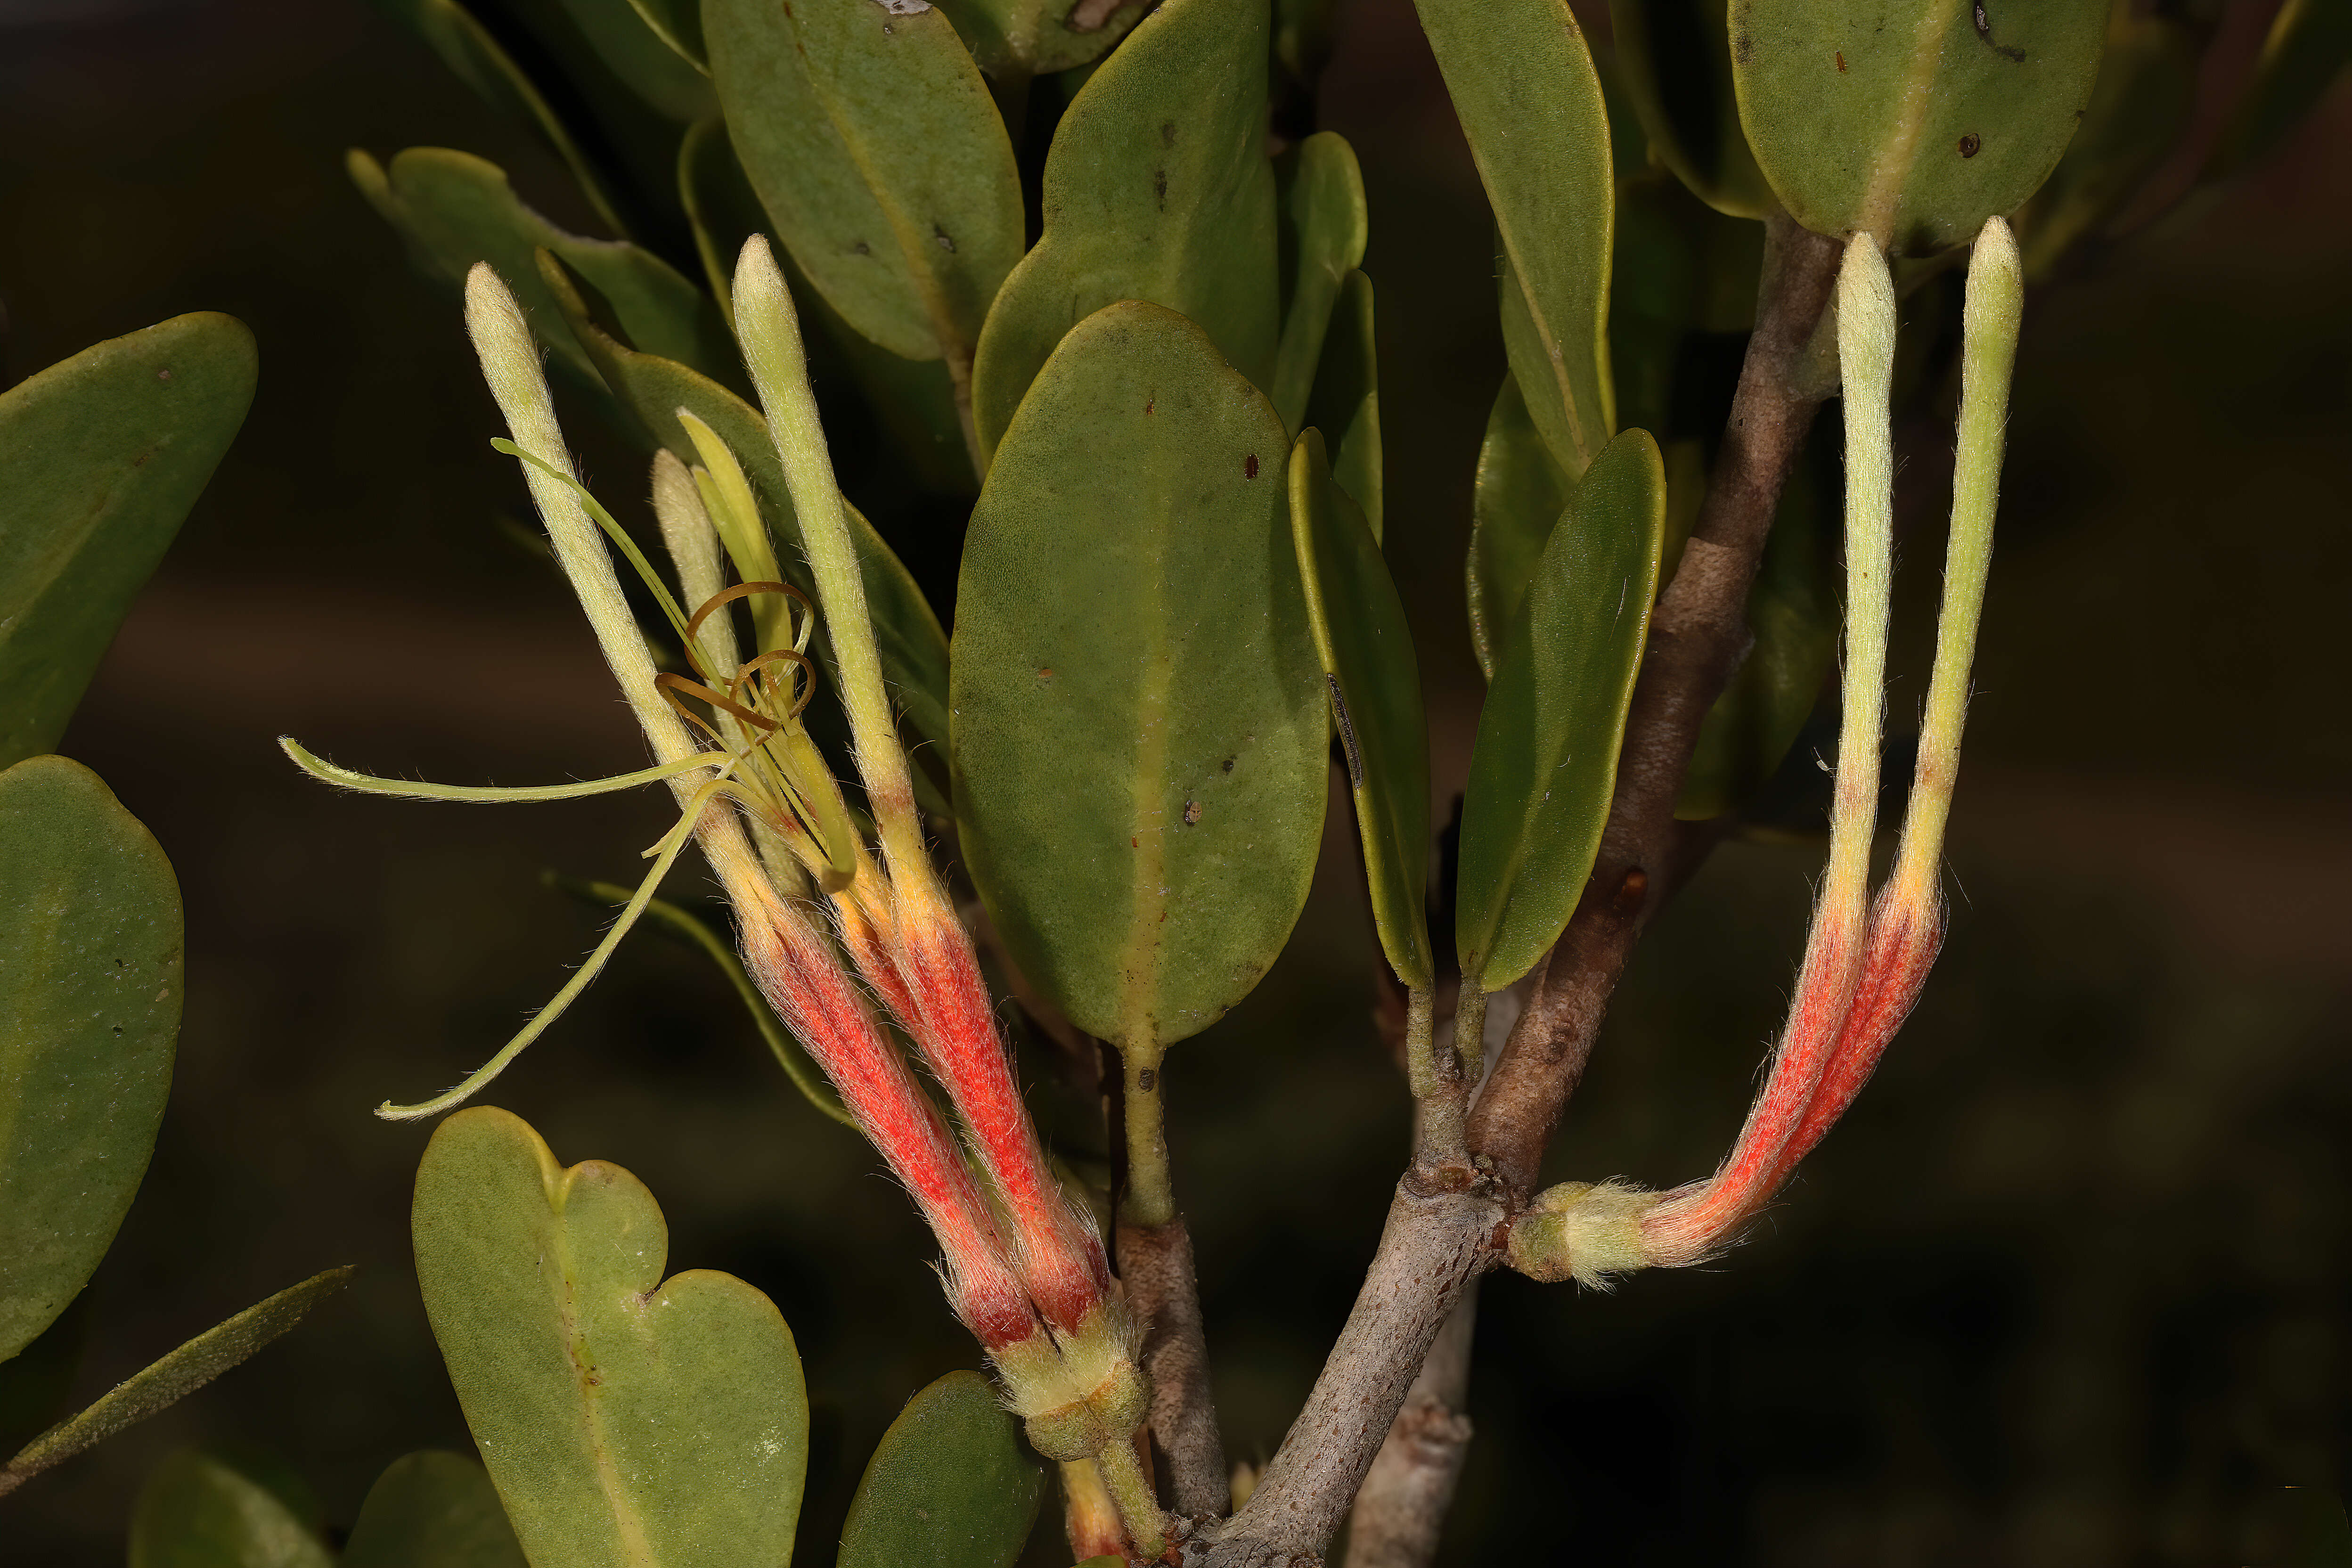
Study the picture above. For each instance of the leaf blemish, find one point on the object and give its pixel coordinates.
(1840, 62)
(1971, 144)
(1249, 466)
(1192, 815)
(941, 235)
(1159, 188)
(1168, 133)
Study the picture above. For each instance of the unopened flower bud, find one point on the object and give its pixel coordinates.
(1584, 1231)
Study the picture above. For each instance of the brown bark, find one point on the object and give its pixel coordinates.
(1155, 1265)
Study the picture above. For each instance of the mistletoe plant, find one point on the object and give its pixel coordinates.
(1152, 394)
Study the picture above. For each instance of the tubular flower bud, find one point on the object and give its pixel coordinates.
(1860, 979)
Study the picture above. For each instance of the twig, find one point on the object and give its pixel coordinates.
(1155, 1264)
(1401, 1509)
(1435, 1240)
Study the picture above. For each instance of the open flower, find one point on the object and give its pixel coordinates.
(827, 923)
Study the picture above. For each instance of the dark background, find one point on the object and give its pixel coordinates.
(2068, 1287)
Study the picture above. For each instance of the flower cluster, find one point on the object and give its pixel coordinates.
(829, 926)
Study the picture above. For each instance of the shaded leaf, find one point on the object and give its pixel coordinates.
(1545, 763)
(1139, 724)
(949, 1486)
(455, 209)
(1904, 117)
(102, 456)
(2139, 109)
(173, 1378)
(873, 145)
(1016, 38)
(634, 48)
(1539, 131)
(1346, 402)
(1157, 188)
(196, 1511)
(1323, 230)
(1366, 650)
(467, 48)
(90, 1012)
(1674, 58)
(624, 1418)
(432, 1509)
(1517, 498)
(2308, 46)
(679, 24)
(914, 649)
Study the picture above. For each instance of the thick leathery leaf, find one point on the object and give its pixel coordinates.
(1012, 39)
(432, 1509)
(1157, 188)
(624, 1418)
(628, 40)
(2139, 111)
(196, 1511)
(872, 142)
(476, 58)
(455, 209)
(915, 398)
(1517, 496)
(1915, 119)
(101, 458)
(1545, 763)
(949, 1486)
(1674, 58)
(1366, 650)
(1523, 84)
(90, 1012)
(1792, 616)
(2308, 46)
(173, 1378)
(914, 649)
(1346, 402)
(1138, 721)
(1323, 231)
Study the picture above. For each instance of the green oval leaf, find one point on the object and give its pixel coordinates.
(913, 647)
(1523, 84)
(432, 1509)
(1517, 498)
(1366, 649)
(1346, 402)
(476, 58)
(950, 1485)
(624, 1418)
(167, 1381)
(1674, 58)
(196, 1512)
(1907, 118)
(1138, 719)
(89, 1012)
(455, 209)
(1323, 231)
(1157, 188)
(1792, 617)
(2139, 109)
(1545, 763)
(101, 458)
(1014, 39)
(872, 142)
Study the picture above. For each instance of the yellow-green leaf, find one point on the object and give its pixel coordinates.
(1157, 188)
(1323, 232)
(196, 1512)
(1545, 763)
(950, 1485)
(432, 1509)
(1345, 404)
(624, 1418)
(1366, 650)
(1139, 721)
(1673, 57)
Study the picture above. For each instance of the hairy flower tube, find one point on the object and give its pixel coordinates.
(1866, 959)
(1024, 1268)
